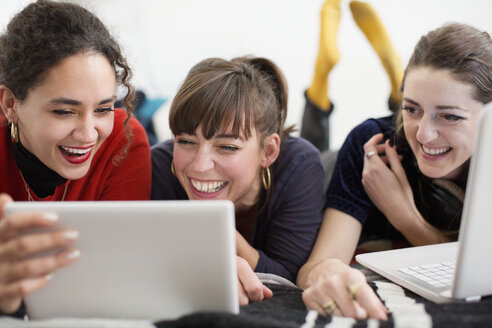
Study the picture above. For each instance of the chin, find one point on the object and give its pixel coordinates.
(434, 173)
(74, 174)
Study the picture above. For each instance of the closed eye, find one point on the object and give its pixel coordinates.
(452, 117)
(104, 110)
(230, 148)
(411, 110)
(62, 112)
(184, 141)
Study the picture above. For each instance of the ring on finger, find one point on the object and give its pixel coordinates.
(369, 154)
(354, 288)
(329, 307)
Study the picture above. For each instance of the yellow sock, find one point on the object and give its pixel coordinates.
(369, 22)
(328, 54)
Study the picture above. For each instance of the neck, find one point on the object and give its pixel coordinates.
(41, 179)
(250, 199)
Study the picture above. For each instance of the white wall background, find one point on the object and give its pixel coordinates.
(164, 39)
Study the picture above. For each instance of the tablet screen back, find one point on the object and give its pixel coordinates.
(141, 260)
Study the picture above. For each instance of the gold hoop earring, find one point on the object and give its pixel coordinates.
(173, 170)
(268, 181)
(14, 132)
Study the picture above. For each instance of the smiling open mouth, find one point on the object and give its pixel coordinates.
(437, 151)
(74, 155)
(74, 151)
(208, 187)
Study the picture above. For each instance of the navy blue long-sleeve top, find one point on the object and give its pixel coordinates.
(440, 207)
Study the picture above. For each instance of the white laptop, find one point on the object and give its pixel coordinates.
(150, 260)
(452, 271)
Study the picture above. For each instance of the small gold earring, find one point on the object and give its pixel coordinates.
(173, 171)
(268, 181)
(14, 132)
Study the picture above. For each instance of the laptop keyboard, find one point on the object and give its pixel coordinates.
(438, 274)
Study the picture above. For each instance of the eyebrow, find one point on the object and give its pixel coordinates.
(411, 101)
(441, 107)
(450, 107)
(73, 102)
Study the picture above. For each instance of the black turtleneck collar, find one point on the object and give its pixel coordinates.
(41, 179)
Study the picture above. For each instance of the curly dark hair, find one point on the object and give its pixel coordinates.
(46, 32)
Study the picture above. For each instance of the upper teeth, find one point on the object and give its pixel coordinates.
(435, 151)
(76, 151)
(208, 186)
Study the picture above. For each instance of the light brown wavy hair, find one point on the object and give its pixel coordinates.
(461, 49)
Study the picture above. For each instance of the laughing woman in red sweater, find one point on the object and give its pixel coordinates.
(60, 136)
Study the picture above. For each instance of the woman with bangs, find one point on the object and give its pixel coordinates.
(231, 143)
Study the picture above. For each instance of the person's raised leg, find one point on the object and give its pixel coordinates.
(373, 28)
(315, 125)
(328, 54)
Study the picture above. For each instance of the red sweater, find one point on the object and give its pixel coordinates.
(130, 179)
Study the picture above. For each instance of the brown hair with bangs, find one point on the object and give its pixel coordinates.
(248, 92)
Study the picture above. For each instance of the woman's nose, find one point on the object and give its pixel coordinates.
(427, 129)
(86, 130)
(203, 161)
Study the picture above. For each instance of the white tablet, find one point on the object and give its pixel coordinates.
(150, 260)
